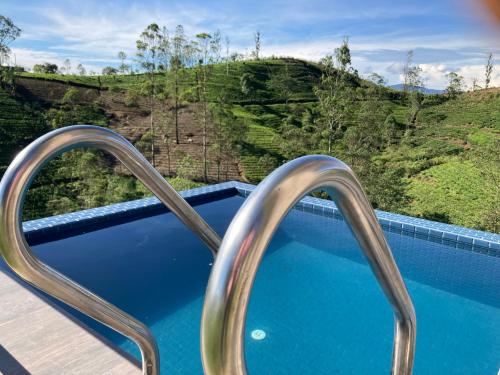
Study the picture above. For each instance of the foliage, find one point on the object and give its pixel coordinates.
(335, 95)
(109, 71)
(8, 33)
(45, 68)
(455, 85)
(408, 149)
(488, 70)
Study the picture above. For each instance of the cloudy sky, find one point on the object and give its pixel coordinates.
(445, 35)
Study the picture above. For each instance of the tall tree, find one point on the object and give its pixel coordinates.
(148, 55)
(209, 51)
(377, 79)
(180, 51)
(123, 68)
(256, 51)
(203, 71)
(455, 84)
(81, 70)
(334, 94)
(282, 81)
(67, 66)
(413, 84)
(226, 39)
(8, 33)
(488, 70)
(475, 86)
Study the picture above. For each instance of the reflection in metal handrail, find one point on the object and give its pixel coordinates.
(19, 257)
(243, 246)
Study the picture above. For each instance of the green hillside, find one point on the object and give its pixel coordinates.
(306, 75)
(443, 167)
(20, 123)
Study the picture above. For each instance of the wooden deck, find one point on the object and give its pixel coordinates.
(37, 338)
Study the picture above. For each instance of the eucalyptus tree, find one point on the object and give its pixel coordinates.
(256, 51)
(81, 70)
(8, 33)
(149, 51)
(413, 84)
(123, 68)
(334, 94)
(67, 66)
(228, 57)
(208, 48)
(282, 81)
(377, 79)
(455, 84)
(488, 70)
(179, 56)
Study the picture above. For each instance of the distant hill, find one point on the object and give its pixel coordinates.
(425, 90)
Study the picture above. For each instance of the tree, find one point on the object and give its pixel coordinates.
(67, 66)
(109, 71)
(148, 55)
(8, 33)
(412, 86)
(207, 49)
(389, 130)
(256, 51)
(475, 85)
(343, 55)
(179, 56)
(229, 135)
(455, 84)
(227, 55)
(247, 83)
(81, 70)
(377, 79)
(283, 82)
(488, 70)
(334, 95)
(45, 68)
(412, 75)
(296, 135)
(123, 68)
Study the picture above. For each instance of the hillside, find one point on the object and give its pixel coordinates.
(439, 162)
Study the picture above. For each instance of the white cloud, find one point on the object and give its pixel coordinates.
(27, 58)
(93, 33)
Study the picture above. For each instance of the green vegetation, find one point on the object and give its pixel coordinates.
(20, 123)
(433, 156)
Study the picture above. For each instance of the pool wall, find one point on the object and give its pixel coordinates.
(43, 230)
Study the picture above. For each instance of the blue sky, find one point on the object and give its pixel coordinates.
(446, 35)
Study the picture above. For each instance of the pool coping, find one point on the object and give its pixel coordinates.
(484, 242)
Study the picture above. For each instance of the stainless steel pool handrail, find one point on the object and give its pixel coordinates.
(249, 234)
(20, 258)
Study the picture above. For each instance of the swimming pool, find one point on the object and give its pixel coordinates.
(315, 298)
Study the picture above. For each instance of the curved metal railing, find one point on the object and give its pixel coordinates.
(21, 259)
(243, 246)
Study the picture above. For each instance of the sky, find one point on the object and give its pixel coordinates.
(445, 35)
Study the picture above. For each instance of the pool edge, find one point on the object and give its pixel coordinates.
(465, 238)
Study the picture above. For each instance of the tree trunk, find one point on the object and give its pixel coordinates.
(152, 128)
(176, 108)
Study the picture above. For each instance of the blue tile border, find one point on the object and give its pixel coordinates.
(466, 238)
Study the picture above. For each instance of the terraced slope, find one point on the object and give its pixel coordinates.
(20, 123)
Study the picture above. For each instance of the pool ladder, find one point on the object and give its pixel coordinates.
(238, 254)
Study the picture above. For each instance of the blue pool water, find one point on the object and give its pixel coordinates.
(314, 296)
